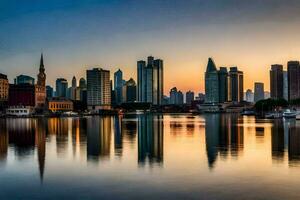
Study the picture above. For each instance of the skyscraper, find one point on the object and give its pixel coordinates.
(293, 79)
(49, 91)
(61, 87)
(98, 89)
(276, 81)
(249, 96)
(258, 91)
(176, 96)
(211, 83)
(223, 84)
(189, 97)
(24, 79)
(129, 91)
(150, 81)
(118, 84)
(285, 86)
(235, 85)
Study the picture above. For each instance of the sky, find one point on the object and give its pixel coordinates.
(78, 35)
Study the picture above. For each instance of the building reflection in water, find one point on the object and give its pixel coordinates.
(40, 143)
(277, 137)
(293, 142)
(223, 137)
(118, 135)
(98, 137)
(79, 129)
(150, 139)
(3, 141)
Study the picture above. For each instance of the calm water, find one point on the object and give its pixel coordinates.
(150, 157)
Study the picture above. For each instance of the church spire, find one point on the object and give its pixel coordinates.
(42, 67)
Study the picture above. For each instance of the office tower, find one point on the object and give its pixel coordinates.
(49, 91)
(211, 83)
(74, 82)
(258, 91)
(189, 97)
(249, 96)
(293, 79)
(72, 90)
(223, 84)
(61, 87)
(176, 97)
(276, 81)
(24, 79)
(98, 89)
(4, 86)
(129, 91)
(40, 87)
(235, 85)
(118, 84)
(82, 83)
(150, 81)
(285, 86)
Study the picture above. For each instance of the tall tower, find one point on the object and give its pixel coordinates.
(211, 82)
(41, 76)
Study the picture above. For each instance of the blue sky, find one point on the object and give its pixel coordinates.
(76, 35)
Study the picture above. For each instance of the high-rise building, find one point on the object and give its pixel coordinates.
(223, 84)
(285, 85)
(49, 91)
(61, 87)
(258, 91)
(249, 96)
(74, 82)
(4, 86)
(118, 85)
(150, 81)
(276, 81)
(24, 79)
(235, 85)
(98, 89)
(189, 97)
(176, 96)
(72, 90)
(129, 91)
(211, 82)
(293, 79)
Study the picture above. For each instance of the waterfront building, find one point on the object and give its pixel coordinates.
(4, 87)
(285, 86)
(21, 79)
(58, 104)
(19, 111)
(249, 96)
(258, 91)
(176, 96)
(129, 91)
(189, 97)
(235, 85)
(61, 87)
(49, 91)
(223, 84)
(21, 95)
(276, 81)
(211, 82)
(150, 81)
(293, 80)
(98, 89)
(118, 85)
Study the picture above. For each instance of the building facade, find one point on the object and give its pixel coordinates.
(118, 85)
(129, 91)
(57, 104)
(249, 96)
(259, 93)
(211, 83)
(235, 85)
(24, 79)
(61, 87)
(4, 87)
(189, 97)
(276, 81)
(293, 79)
(285, 86)
(98, 89)
(223, 84)
(49, 91)
(150, 81)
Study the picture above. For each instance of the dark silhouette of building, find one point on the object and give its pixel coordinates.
(49, 91)
(61, 87)
(211, 82)
(235, 85)
(223, 84)
(21, 95)
(259, 93)
(276, 81)
(293, 79)
(129, 91)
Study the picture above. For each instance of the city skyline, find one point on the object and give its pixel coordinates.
(252, 36)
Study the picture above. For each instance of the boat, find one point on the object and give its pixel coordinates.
(289, 114)
(274, 115)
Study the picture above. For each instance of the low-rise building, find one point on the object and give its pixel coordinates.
(59, 105)
(19, 111)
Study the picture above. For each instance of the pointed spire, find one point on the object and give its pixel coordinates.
(42, 62)
(211, 65)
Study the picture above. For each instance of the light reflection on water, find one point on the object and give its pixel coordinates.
(215, 156)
